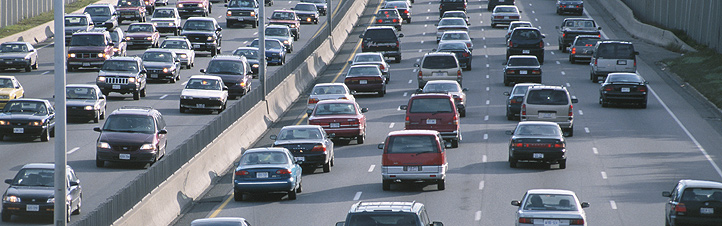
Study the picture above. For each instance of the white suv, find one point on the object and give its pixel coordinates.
(551, 104)
(438, 66)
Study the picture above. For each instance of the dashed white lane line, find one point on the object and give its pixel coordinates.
(73, 150)
(244, 42)
(164, 96)
(410, 81)
(427, 19)
(423, 33)
(428, 10)
(426, 25)
(569, 85)
(552, 52)
(533, 11)
(564, 73)
(604, 175)
(595, 151)
(417, 60)
(586, 129)
(357, 196)
(486, 136)
(219, 17)
(486, 118)
(558, 62)
(406, 93)
(482, 29)
(487, 65)
(484, 46)
(371, 168)
(487, 88)
(581, 112)
(255, 33)
(45, 73)
(483, 38)
(391, 125)
(477, 216)
(487, 76)
(486, 56)
(549, 44)
(487, 102)
(419, 50)
(483, 158)
(422, 41)
(481, 185)
(613, 204)
(289, 2)
(529, 4)
(535, 19)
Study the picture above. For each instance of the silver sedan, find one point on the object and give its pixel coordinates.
(504, 14)
(374, 58)
(328, 91)
(550, 207)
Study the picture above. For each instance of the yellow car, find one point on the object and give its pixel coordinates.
(10, 88)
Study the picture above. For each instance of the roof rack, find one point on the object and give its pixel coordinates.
(137, 108)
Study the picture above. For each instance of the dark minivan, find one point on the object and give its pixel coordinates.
(382, 39)
(433, 111)
(132, 135)
(526, 41)
(451, 5)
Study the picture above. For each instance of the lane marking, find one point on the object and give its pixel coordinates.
(487, 102)
(164, 96)
(487, 88)
(487, 65)
(410, 81)
(419, 50)
(586, 129)
(357, 196)
(483, 158)
(482, 29)
(558, 62)
(255, 33)
(486, 56)
(45, 73)
(73, 150)
(417, 60)
(481, 185)
(483, 38)
(569, 85)
(535, 19)
(595, 151)
(220, 208)
(604, 175)
(428, 10)
(184, 83)
(486, 118)
(345, 65)
(552, 52)
(487, 76)
(531, 11)
(391, 125)
(477, 216)
(422, 41)
(244, 42)
(486, 136)
(564, 73)
(406, 93)
(303, 116)
(581, 112)
(423, 33)
(484, 46)
(426, 25)
(371, 168)
(613, 204)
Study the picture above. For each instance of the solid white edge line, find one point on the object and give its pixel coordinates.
(164, 96)
(73, 150)
(613, 204)
(357, 196)
(371, 168)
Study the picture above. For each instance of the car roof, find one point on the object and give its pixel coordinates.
(380, 27)
(104, 5)
(205, 77)
(442, 81)
(368, 53)
(329, 84)
(166, 7)
(92, 32)
(302, 127)
(15, 42)
(578, 18)
(537, 123)
(81, 85)
(125, 58)
(520, 22)
(522, 56)
(528, 84)
(201, 18)
(453, 18)
(386, 206)
(551, 191)
(615, 41)
(414, 132)
(526, 28)
(455, 11)
(276, 26)
(159, 50)
(429, 95)
(133, 110)
(364, 65)
(456, 31)
(588, 36)
(275, 149)
(175, 38)
(284, 10)
(439, 53)
(548, 87)
(141, 23)
(227, 57)
(701, 183)
(305, 3)
(8, 76)
(217, 220)
(77, 14)
(40, 166)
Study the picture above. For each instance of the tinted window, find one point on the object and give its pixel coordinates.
(130, 124)
(505, 10)
(439, 62)
(174, 44)
(515, 25)
(26, 107)
(7, 48)
(380, 34)
(242, 3)
(204, 84)
(615, 51)
(387, 13)
(586, 41)
(448, 1)
(276, 32)
(455, 36)
(538, 130)
(123, 3)
(305, 7)
(522, 61)
(120, 65)
(163, 13)
(293, 134)
(97, 11)
(76, 21)
(579, 23)
(270, 44)
(6, 83)
(452, 21)
(335, 109)
(363, 71)
(34, 177)
(547, 96)
(454, 14)
(368, 58)
(199, 25)
(114, 36)
(248, 53)
(283, 16)
(87, 40)
(264, 158)
(550, 202)
(321, 90)
(701, 195)
(528, 34)
(411, 144)
(431, 105)
(225, 67)
(624, 78)
(452, 46)
(157, 57)
(140, 28)
(519, 90)
(441, 87)
(80, 93)
(396, 5)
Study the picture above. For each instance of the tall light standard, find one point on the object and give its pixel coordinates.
(262, 47)
(61, 211)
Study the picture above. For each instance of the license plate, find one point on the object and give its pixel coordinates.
(523, 72)
(240, 19)
(706, 210)
(130, 43)
(431, 121)
(625, 90)
(116, 86)
(18, 130)
(127, 16)
(196, 46)
(86, 64)
(8, 62)
(539, 156)
(526, 51)
(413, 168)
(335, 125)
(551, 222)
(438, 74)
(300, 158)
(200, 105)
(622, 62)
(262, 175)
(547, 115)
(32, 208)
(362, 82)
(154, 75)
(124, 156)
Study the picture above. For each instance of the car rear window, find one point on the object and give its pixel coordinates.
(231, 67)
(528, 34)
(363, 71)
(383, 219)
(293, 134)
(615, 51)
(522, 61)
(586, 41)
(537, 130)
(431, 105)
(412, 144)
(624, 78)
(335, 109)
(452, 1)
(333, 89)
(550, 202)
(547, 97)
(520, 90)
(380, 34)
(439, 62)
(701, 195)
(387, 13)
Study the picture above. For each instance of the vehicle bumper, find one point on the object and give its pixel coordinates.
(344, 132)
(27, 131)
(80, 113)
(191, 11)
(453, 135)
(201, 104)
(168, 29)
(130, 17)
(366, 88)
(571, 9)
(236, 90)
(528, 155)
(625, 98)
(274, 60)
(308, 19)
(503, 21)
(86, 62)
(513, 109)
(45, 209)
(118, 88)
(135, 156)
(263, 186)
(581, 56)
(425, 79)
(159, 75)
(519, 51)
(241, 19)
(563, 124)
(427, 174)
(523, 78)
(142, 42)
(14, 64)
(204, 46)
(685, 220)
(313, 159)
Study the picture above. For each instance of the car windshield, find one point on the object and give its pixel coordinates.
(441, 87)
(367, 58)
(174, 44)
(125, 3)
(270, 44)
(500, 9)
(97, 11)
(431, 105)
(537, 130)
(452, 21)
(6, 83)
(83, 93)
(387, 13)
(120, 65)
(527, 34)
(204, 84)
(454, 15)
(87, 40)
(363, 71)
(114, 37)
(547, 96)
(231, 67)
(550, 202)
(701, 195)
(296, 134)
(140, 28)
(272, 31)
(412, 144)
(248, 53)
(335, 109)
(522, 61)
(76, 21)
(520, 90)
(35, 177)
(157, 57)
(586, 41)
(13, 48)
(26, 107)
(332, 89)
(450, 46)
(455, 36)
(615, 51)
(255, 158)
(439, 62)
(457, 1)
(129, 124)
(199, 25)
(242, 3)
(579, 23)
(163, 13)
(283, 16)
(305, 7)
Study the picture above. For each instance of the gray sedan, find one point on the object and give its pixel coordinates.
(504, 15)
(553, 207)
(309, 144)
(19, 55)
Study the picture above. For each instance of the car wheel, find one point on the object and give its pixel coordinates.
(102, 115)
(605, 103)
(572, 60)
(35, 66)
(6, 216)
(397, 59)
(332, 160)
(455, 143)
(292, 194)
(142, 92)
(441, 185)
(45, 136)
(96, 119)
(183, 110)
(80, 204)
(570, 132)
(512, 162)
(462, 113)
(595, 78)
(507, 82)
(468, 66)
(560, 47)
(493, 25)
(386, 185)
(382, 93)
(136, 95)
(300, 187)
(172, 80)
(327, 167)
(361, 139)
(509, 116)
(99, 163)
(237, 196)
(563, 164)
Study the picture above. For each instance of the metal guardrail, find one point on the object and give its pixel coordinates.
(118, 204)
(13, 11)
(700, 19)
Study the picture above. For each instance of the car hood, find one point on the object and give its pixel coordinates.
(116, 73)
(279, 38)
(6, 91)
(80, 102)
(153, 64)
(127, 138)
(21, 116)
(31, 191)
(98, 19)
(179, 51)
(207, 33)
(139, 34)
(550, 214)
(202, 93)
(283, 21)
(296, 141)
(86, 49)
(13, 55)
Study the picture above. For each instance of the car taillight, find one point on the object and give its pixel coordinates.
(468, 45)
(407, 120)
(456, 120)
(465, 54)
(635, 62)
(525, 220)
(588, 45)
(381, 67)
(420, 75)
(536, 72)
(312, 100)
(574, 50)
(680, 208)
(608, 88)
(241, 173)
(514, 17)
(514, 101)
(559, 145)
(511, 44)
(380, 20)
(523, 109)
(406, 11)
(571, 111)
(564, 35)
(319, 147)
(283, 171)
(642, 89)
(395, 20)
(510, 72)
(397, 46)
(576, 222)
(498, 17)
(541, 44)
(517, 145)
(599, 35)
(457, 98)
(352, 122)
(458, 73)
(595, 62)
(347, 80)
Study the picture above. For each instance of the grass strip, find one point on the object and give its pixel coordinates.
(45, 17)
(702, 70)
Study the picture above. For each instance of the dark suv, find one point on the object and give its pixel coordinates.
(103, 14)
(235, 72)
(89, 49)
(381, 213)
(493, 3)
(123, 75)
(204, 33)
(382, 39)
(526, 41)
(131, 10)
(131, 134)
(573, 27)
(451, 5)
(694, 202)
(242, 12)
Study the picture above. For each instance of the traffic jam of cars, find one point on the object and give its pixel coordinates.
(173, 38)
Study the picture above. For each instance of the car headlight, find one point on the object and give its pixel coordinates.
(292, 26)
(103, 145)
(210, 38)
(89, 108)
(200, 4)
(229, 13)
(253, 13)
(183, 56)
(147, 147)
(165, 70)
(131, 80)
(308, 19)
(186, 97)
(149, 38)
(71, 55)
(101, 79)
(3, 122)
(101, 55)
(35, 123)
(171, 24)
(155, 24)
(255, 65)
(127, 38)
(11, 198)
(180, 5)
(285, 41)
(51, 200)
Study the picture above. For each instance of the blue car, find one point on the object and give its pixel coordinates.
(275, 51)
(267, 170)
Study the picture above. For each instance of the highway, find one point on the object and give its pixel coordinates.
(620, 159)
(100, 183)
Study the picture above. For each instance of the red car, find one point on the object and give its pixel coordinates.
(434, 111)
(288, 18)
(187, 8)
(342, 118)
(142, 34)
(131, 10)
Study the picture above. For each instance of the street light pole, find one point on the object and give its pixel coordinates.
(329, 13)
(60, 185)
(262, 47)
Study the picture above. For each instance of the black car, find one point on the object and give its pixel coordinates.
(31, 192)
(234, 71)
(28, 118)
(204, 34)
(162, 64)
(451, 5)
(382, 39)
(123, 75)
(309, 144)
(526, 41)
(307, 12)
(251, 54)
(573, 27)
(320, 4)
(493, 3)
(624, 87)
(275, 51)
(694, 202)
(516, 98)
(85, 102)
(131, 135)
(463, 54)
(537, 141)
(570, 6)
(520, 68)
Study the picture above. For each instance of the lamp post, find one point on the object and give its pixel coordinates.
(60, 185)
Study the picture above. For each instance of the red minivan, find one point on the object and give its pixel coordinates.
(414, 156)
(434, 111)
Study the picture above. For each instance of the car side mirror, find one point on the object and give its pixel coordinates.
(575, 100)
(163, 131)
(464, 89)
(585, 204)
(471, 38)
(544, 36)
(10, 181)
(219, 29)
(419, 90)
(143, 71)
(350, 62)
(520, 11)
(436, 24)
(381, 146)
(299, 162)
(507, 93)
(177, 60)
(666, 194)
(292, 9)
(433, 50)
(225, 5)
(404, 107)
(645, 82)
(74, 183)
(111, 44)
(340, 223)
(309, 111)
(225, 88)
(353, 92)
(332, 135)
(203, 70)
(273, 137)
(416, 64)
(436, 223)
(361, 36)
(515, 203)
(97, 129)
(509, 132)
(401, 35)
(102, 97)
(364, 110)
(236, 164)
(636, 53)
(599, 28)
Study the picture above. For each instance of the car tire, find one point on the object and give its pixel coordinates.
(441, 184)
(507, 82)
(560, 47)
(382, 93)
(99, 163)
(96, 119)
(468, 66)
(361, 139)
(300, 187)
(80, 204)
(605, 103)
(172, 80)
(570, 132)
(509, 117)
(254, 25)
(493, 25)
(292, 194)
(563, 164)
(327, 167)
(512, 162)
(386, 185)
(183, 110)
(332, 161)
(142, 92)
(595, 78)
(102, 115)
(35, 66)
(6, 216)
(455, 143)
(45, 135)
(462, 113)
(397, 59)
(136, 95)
(572, 60)
(237, 196)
